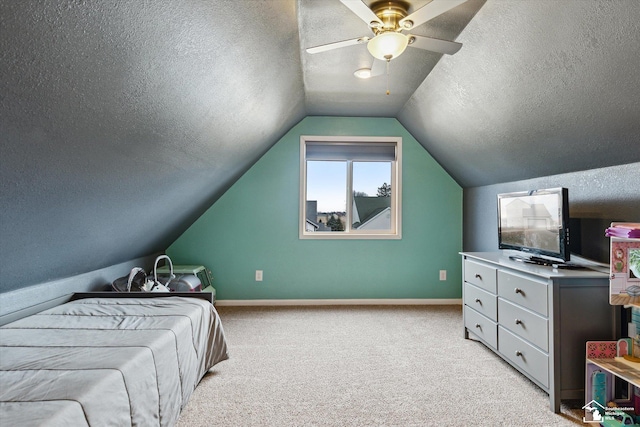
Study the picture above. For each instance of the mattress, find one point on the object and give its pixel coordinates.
(107, 361)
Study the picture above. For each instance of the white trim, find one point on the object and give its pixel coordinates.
(324, 302)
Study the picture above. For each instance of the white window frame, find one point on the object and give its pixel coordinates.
(396, 190)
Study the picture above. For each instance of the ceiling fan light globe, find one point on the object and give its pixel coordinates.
(387, 46)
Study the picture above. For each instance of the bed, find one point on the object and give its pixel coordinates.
(131, 361)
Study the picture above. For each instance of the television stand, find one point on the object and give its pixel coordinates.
(547, 262)
(531, 260)
(537, 318)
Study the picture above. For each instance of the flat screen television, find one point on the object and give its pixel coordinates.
(535, 223)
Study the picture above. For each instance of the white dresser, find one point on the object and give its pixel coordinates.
(537, 318)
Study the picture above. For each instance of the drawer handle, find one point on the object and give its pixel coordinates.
(478, 301)
(478, 276)
(518, 322)
(518, 353)
(478, 326)
(518, 291)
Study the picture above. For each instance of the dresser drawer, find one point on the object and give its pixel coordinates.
(480, 275)
(523, 291)
(524, 323)
(524, 355)
(481, 326)
(481, 301)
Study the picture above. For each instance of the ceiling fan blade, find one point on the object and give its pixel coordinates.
(428, 12)
(337, 45)
(362, 10)
(435, 45)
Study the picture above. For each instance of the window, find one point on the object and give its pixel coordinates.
(350, 187)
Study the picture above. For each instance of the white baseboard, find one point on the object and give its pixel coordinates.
(320, 302)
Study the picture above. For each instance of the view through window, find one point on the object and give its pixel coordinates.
(350, 187)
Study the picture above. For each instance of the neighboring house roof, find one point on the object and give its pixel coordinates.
(377, 220)
(367, 208)
(317, 226)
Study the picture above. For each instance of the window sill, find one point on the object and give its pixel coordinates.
(349, 236)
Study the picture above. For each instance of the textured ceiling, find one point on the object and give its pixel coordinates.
(122, 121)
(539, 88)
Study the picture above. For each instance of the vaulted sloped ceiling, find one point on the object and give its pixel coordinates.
(122, 121)
(539, 88)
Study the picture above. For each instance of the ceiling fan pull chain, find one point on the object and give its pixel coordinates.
(388, 61)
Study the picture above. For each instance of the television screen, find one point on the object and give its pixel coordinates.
(535, 222)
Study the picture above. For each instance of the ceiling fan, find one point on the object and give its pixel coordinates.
(388, 19)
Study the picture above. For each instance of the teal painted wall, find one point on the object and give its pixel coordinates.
(254, 226)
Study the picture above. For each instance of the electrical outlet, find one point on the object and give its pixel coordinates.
(258, 275)
(443, 274)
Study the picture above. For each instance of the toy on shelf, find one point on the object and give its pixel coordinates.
(612, 385)
(632, 355)
(630, 358)
(627, 230)
(624, 282)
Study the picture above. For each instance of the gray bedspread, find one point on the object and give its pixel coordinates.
(107, 361)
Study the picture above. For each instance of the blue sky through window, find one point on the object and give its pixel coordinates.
(327, 181)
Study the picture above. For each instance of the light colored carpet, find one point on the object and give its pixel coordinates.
(363, 366)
